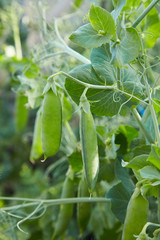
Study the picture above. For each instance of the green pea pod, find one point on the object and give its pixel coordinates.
(51, 124)
(89, 148)
(36, 150)
(66, 210)
(136, 215)
(83, 209)
(21, 112)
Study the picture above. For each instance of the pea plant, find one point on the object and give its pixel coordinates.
(98, 103)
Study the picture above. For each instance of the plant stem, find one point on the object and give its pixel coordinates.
(149, 70)
(16, 207)
(138, 119)
(77, 55)
(56, 201)
(54, 165)
(68, 49)
(16, 33)
(154, 117)
(28, 217)
(146, 11)
(113, 87)
(118, 77)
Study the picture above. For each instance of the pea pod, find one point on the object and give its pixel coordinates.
(89, 148)
(83, 209)
(21, 112)
(136, 215)
(36, 150)
(51, 124)
(66, 210)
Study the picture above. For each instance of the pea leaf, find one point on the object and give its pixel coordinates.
(100, 60)
(102, 21)
(129, 132)
(150, 172)
(122, 174)
(142, 149)
(128, 48)
(118, 5)
(131, 5)
(154, 156)
(75, 160)
(119, 198)
(104, 102)
(150, 27)
(151, 189)
(85, 36)
(137, 162)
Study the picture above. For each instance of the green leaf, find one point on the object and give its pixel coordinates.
(100, 60)
(101, 218)
(33, 71)
(75, 160)
(149, 126)
(34, 90)
(156, 104)
(149, 190)
(129, 132)
(128, 48)
(102, 21)
(118, 5)
(154, 156)
(142, 149)
(132, 82)
(85, 36)
(104, 102)
(131, 5)
(122, 174)
(150, 27)
(137, 162)
(150, 172)
(78, 3)
(119, 198)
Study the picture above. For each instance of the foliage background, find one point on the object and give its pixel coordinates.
(18, 176)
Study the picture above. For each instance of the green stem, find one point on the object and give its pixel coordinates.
(138, 119)
(96, 86)
(118, 77)
(154, 117)
(28, 217)
(54, 165)
(149, 70)
(146, 11)
(57, 201)
(68, 49)
(16, 207)
(49, 56)
(146, 115)
(16, 34)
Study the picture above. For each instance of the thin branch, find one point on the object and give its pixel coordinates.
(28, 217)
(57, 201)
(153, 113)
(146, 11)
(113, 87)
(69, 50)
(49, 56)
(138, 119)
